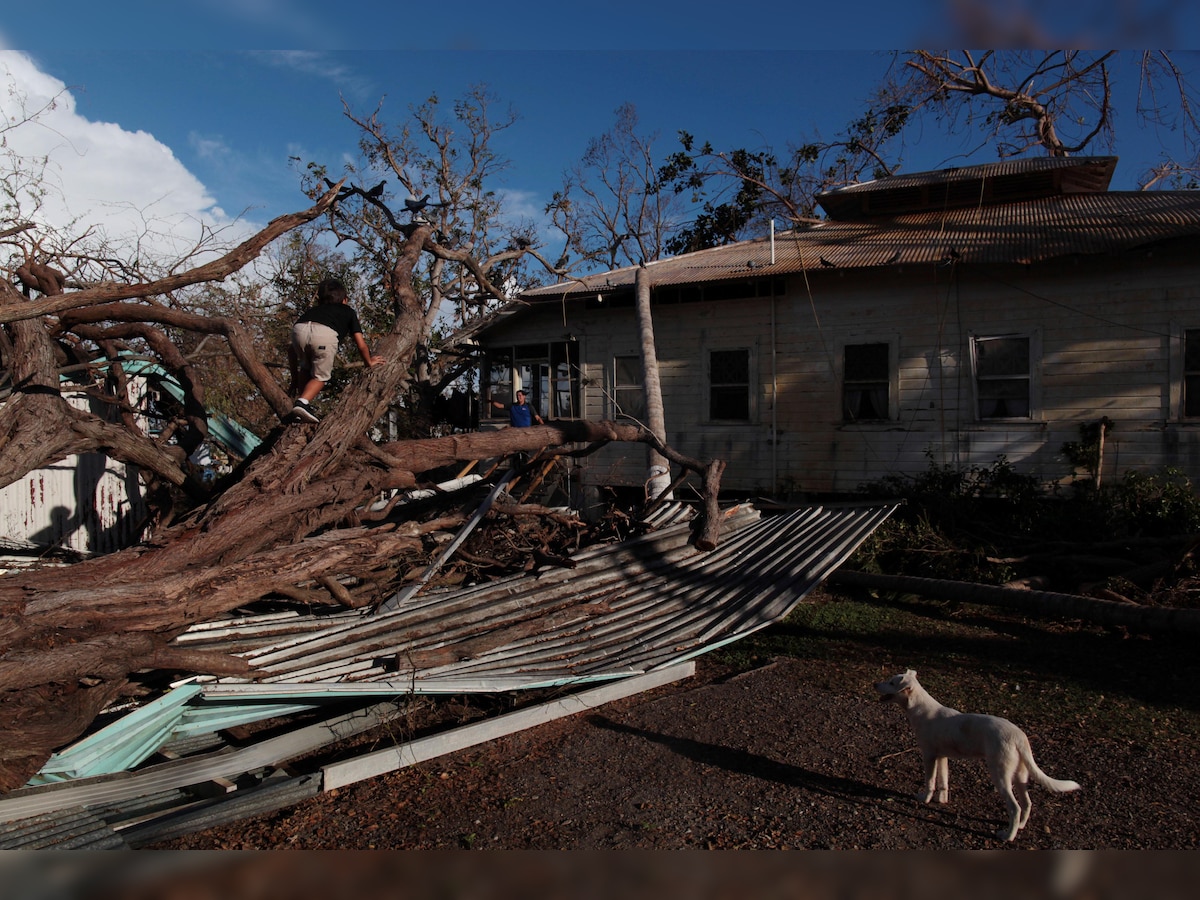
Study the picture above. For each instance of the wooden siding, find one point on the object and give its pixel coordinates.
(87, 504)
(1105, 336)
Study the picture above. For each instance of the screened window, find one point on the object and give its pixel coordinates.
(729, 385)
(866, 382)
(1191, 372)
(1002, 380)
(629, 396)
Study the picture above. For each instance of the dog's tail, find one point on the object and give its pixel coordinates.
(1050, 784)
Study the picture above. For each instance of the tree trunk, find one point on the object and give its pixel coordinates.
(71, 637)
(1146, 619)
(659, 475)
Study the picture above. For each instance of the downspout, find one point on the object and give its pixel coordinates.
(774, 395)
(774, 379)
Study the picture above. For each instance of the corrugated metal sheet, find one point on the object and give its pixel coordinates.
(985, 184)
(623, 610)
(66, 829)
(1024, 232)
(231, 434)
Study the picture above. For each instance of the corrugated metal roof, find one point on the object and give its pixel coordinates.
(989, 183)
(622, 610)
(1025, 232)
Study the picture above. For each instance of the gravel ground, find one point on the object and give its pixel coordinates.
(794, 753)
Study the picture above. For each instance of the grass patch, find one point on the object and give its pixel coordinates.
(982, 659)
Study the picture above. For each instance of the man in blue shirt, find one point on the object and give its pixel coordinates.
(520, 414)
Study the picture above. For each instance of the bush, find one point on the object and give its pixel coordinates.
(964, 524)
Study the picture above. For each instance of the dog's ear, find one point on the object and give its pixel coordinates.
(911, 673)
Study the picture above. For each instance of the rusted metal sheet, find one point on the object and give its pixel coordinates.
(1076, 217)
(621, 610)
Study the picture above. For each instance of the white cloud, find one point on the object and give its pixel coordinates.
(213, 148)
(525, 206)
(125, 183)
(318, 64)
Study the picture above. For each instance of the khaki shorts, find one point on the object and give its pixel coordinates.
(316, 348)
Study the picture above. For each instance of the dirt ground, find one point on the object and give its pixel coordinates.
(793, 753)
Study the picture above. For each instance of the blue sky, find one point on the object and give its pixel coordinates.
(230, 118)
(234, 118)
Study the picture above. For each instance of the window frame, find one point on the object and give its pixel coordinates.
(508, 368)
(617, 387)
(751, 386)
(892, 342)
(1032, 376)
(1180, 381)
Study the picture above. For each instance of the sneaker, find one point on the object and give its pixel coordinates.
(303, 412)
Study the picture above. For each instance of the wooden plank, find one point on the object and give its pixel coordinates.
(382, 761)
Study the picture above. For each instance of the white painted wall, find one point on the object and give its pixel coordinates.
(87, 503)
(1107, 338)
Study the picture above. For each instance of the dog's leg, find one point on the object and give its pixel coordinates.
(1003, 770)
(930, 761)
(1021, 790)
(943, 775)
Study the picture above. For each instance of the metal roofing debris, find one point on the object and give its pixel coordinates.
(648, 605)
(625, 609)
(67, 829)
(143, 808)
(102, 791)
(228, 432)
(389, 759)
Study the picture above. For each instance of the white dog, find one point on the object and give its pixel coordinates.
(943, 732)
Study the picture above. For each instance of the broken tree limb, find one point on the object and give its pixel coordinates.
(215, 270)
(423, 455)
(1147, 619)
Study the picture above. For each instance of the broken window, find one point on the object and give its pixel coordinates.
(729, 385)
(866, 382)
(1002, 377)
(629, 396)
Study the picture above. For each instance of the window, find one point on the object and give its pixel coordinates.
(564, 363)
(1002, 381)
(729, 385)
(1191, 372)
(629, 396)
(865, 382)
(498, 386)
(548, 373)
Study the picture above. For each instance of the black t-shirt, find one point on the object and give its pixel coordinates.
(341, 317)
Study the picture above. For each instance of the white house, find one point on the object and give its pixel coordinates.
(948, 317)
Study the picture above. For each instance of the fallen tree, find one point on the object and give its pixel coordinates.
(72, 638)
